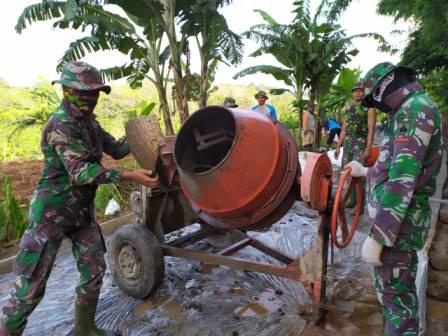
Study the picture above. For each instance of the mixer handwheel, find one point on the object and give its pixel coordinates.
(339, 209)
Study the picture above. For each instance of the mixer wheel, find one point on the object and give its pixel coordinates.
(137, 261)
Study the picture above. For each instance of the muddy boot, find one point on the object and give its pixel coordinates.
(5, 332)
(85, 322)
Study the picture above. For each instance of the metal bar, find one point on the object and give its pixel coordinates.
(271, 252)
(438, 200)
(263, 248)
(292, 271)
(323, 241)
(192, 238)
(235, 247)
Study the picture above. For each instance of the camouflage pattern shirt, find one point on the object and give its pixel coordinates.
(72, 145)
(356, 118)
(404, 176)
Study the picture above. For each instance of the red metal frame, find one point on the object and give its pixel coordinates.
(310, 269)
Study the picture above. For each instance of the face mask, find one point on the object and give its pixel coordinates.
(85, 101)
(389, 84)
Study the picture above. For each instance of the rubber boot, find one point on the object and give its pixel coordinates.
(85, 322)
(4, 331)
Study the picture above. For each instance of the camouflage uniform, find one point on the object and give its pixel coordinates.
(400, 184)
(62, 206)
(355, 141)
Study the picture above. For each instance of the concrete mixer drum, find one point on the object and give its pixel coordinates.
(238, 168)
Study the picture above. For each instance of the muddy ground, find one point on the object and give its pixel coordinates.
(208, 300)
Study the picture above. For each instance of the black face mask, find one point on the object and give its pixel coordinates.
(400, 80)
(84, 100)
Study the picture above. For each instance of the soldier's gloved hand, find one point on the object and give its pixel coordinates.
(357, 169)
(371, 251)
(141, 176)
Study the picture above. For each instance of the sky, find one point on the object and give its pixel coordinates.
(27, 57)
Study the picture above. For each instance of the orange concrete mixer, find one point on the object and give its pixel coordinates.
(238, 168)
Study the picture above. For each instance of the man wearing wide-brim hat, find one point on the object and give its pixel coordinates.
(263, 108)
(62, 206)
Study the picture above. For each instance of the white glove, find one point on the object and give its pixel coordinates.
(358, 170)
(371, 251)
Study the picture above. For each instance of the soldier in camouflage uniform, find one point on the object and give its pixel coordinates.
(62, 206)
(357, 130)
(400, 184)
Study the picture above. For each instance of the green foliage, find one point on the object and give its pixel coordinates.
(426, 50)
(340, 93)
(12, 220)
(144, 109)
(311, 53)
(19, 104)
(45, 101)
(104, 194)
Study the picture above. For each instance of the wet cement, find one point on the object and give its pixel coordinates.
(211, 300)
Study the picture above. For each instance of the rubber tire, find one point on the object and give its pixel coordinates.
(147, 248)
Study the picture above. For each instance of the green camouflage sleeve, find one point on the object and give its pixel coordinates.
(410, 138)
(73, 153)
(117, 149)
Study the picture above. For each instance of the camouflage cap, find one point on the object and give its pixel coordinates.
(82, 76)
(358, 85)
(378, 72)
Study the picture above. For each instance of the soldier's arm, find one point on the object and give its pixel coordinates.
(118, 149)
(71, 149)
(371, 121)
(412, 135)
(342, 137)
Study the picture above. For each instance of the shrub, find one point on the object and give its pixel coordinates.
(12, 219)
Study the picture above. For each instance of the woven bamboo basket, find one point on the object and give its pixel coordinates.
(144, 136)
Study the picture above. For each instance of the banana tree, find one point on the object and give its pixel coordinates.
(340, 93)
(311, 53)
(215, 41)
(285, 42)
(110, 31)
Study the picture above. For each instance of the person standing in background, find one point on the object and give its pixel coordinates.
(358, 129)
(263, 108)
(308, 127)
(333, 128)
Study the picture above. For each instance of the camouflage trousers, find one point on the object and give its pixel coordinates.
(396, 291)
(353, 149)
(38, 249)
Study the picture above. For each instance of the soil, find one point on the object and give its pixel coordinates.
(25, 176)
(11, 249)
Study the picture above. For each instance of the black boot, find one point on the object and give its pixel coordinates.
(85, 322)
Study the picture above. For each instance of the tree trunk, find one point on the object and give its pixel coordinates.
(176, 62)
(165, 109)
(203, 96)
(180, 86)
(318, 137)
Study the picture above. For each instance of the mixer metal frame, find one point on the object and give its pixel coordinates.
(310, 269)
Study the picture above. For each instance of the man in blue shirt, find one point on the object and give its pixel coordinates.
(262, 107)
(332, 126)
